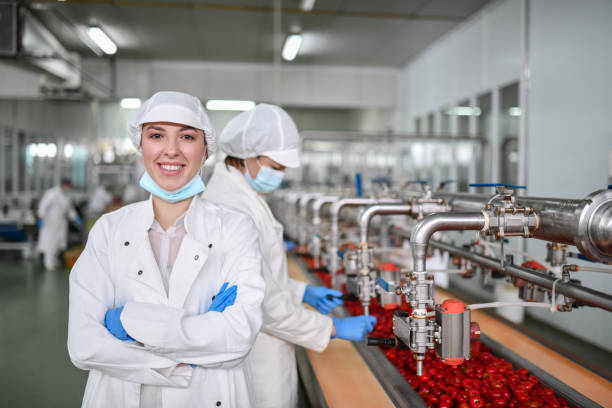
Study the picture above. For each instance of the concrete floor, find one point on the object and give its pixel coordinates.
(36, 370)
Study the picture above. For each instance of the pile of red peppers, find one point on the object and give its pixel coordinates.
(483, 381)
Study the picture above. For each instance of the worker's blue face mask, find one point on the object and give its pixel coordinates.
(267, 179)
(195, 186)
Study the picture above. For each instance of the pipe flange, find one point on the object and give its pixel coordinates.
(594, 237)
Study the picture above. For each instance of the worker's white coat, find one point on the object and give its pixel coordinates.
(99, 200)
(54, 209)
(285, 320)
(118, 268)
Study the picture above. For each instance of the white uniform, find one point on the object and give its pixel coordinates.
(172, 329)
(100, 199)
(285, 320)
(54, 209)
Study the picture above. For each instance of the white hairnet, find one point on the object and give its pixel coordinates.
(265, 130)
(175, 107)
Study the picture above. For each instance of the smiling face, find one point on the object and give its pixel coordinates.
(172, 153)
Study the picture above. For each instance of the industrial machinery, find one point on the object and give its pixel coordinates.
(447, 327)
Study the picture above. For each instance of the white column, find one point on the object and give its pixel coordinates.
(15, 161)
(523, 96)
(494, 136)
(454, 167)
(472, 125)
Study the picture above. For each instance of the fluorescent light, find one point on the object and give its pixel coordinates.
(130, 103)
(51, 149)
(229, 105)
(102, 40)
(307, 5)
(514, 111)
(68, 151)
(291, 47)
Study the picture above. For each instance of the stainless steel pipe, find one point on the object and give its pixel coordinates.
(388, 209)
(578, 292)
(585, 223)
(425, 228)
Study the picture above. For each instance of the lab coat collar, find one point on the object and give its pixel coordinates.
(200, 220)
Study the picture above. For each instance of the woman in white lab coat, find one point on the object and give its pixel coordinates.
(165, 301)
(260, 143)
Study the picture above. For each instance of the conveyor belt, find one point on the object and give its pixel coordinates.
(554, 370)
(342, 374)
(570, 380)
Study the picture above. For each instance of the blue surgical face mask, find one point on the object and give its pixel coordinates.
(267, 179)
(195, 186)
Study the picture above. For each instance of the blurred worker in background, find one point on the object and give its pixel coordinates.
(100, 199)
(165, 300)
(260, 144)
(54, 211)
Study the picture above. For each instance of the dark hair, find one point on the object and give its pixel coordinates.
(234, 162)
(65, 182)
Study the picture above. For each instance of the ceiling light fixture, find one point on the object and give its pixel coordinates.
(102, 40)
(291, 47)
(130, 103)
(307, 5)
(229, 105)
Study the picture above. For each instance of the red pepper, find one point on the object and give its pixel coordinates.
(500, 402)
(477, 402)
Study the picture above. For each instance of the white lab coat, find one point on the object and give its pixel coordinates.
(118, 268)
(54, 209)
(285, 320)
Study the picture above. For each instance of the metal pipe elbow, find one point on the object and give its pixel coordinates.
(422, 232)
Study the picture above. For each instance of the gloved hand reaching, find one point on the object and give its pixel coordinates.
(354, 328)
(113, 323)
(224, 298)
(322, 298)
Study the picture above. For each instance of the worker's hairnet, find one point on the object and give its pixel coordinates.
(265, 130)
(174, 107)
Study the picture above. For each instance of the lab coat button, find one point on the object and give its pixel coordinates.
(210, 245)
(196, 257)
(140, 272)
(218, 403)
(126, 243)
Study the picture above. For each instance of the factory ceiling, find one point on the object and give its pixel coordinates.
(336, 32)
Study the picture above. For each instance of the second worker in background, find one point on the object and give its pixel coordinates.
(259, 145)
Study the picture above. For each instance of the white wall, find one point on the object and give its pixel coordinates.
(480, 54)
(569, 105)
(570, 124)
(287, 85)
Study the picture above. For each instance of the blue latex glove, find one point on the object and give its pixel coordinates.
(224, 298)
(289, 245)
(354, 328)
(113, 324)
(317, 297)
(39, 223)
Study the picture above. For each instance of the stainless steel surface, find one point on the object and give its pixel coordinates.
(367, 213)
(425, 228)
(583, 294)
(303, 224)
(585, 223)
